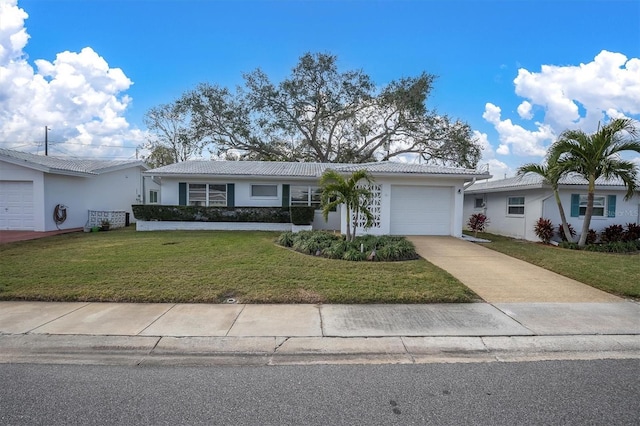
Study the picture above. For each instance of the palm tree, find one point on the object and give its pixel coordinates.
(596, 155)
(336, 190)
(551, 173)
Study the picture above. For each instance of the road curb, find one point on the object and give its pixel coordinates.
(148, 350)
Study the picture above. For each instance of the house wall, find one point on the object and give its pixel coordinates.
(114, 191)
(386, 185)
(625, 211)
(242, 193)
(13, 173)
(502, 223)
(541, 203)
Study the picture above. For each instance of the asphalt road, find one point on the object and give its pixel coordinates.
(605, 392)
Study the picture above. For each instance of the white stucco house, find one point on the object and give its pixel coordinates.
(31, 186)
(513, 205)
(408, 199)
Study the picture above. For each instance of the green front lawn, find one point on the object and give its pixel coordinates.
(192, 266)
(614, 273)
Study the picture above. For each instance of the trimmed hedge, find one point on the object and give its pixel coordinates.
(302, 215)
(211, 214)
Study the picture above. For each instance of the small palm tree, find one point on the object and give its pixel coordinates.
(596, 155)
(551, 173)
(336, 190)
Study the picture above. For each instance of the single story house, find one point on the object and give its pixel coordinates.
(513, 205)
(45, 193)
(408, 199)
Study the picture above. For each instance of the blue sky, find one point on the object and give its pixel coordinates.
(477, 48)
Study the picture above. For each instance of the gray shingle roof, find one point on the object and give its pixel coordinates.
(291, 169)
(61, 165)
(531, 180)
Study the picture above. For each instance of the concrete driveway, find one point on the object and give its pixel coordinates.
(498, 278)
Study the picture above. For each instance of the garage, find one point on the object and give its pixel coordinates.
(16, 206)
(421, 210)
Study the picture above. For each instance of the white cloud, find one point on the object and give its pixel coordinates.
(77, 94)
(524, 110)
(610, 84)
(571, 97)
(520, 141)
(497, 168)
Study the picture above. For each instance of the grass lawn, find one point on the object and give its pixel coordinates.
(614, 273)
(197, 266)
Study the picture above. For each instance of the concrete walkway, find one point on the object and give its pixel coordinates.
(133, 334)
(499, 278)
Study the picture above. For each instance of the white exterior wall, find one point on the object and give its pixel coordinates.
(386, 183)
(626, 211)
(115, 191)
(541, 203)
(11, 172)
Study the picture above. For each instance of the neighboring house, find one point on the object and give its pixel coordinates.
(31, 186)
(408, 199)
(514, 205)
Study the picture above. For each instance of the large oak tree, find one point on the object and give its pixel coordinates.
(320, 113)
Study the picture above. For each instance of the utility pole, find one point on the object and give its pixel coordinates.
(46, 140)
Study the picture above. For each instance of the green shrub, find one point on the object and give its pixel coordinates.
(211, 214)
(615, 247)
(302, 215)
(286, 239)
(567, 245)
(328, 245)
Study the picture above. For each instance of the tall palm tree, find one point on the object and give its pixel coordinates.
(336, 190)
(551, 173)
(598, 154)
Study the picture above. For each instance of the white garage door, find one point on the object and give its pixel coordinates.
(16, 206)
(420, 210)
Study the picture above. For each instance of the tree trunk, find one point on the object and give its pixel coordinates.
(563, 217)
(348, 222)
(587, 215)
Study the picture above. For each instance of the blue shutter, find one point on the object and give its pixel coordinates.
(611, 206)
(182, 193)
(575, 205)
(231, 195)
(286, 191)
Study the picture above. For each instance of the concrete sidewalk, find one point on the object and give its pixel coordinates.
(288, 334)
(498, 278)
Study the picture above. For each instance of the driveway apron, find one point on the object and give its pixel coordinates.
(498, 278)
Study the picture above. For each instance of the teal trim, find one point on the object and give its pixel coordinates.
(182, 193)
(286, 192)
(231, 195)
(575, 205)
(611, 206)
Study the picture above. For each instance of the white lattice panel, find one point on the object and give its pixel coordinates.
(375, 207)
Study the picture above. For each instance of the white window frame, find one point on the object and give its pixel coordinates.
(153, 193)
(511, 205)
(582, 206)
(264, 197)
(311, 191)
(207, 192)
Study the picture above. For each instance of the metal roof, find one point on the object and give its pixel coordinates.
(292, 169)
(532, 180)
(59, 165)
